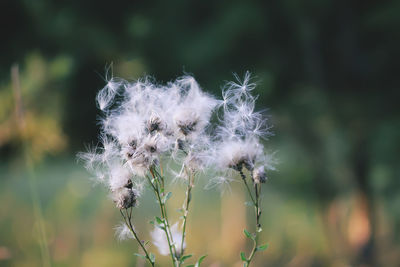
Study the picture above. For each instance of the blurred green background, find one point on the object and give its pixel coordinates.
(327, 72)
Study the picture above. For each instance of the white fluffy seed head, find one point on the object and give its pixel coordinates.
(161, 242)
(123, 232)
(145, 121)
(259, 175)
(238, 154)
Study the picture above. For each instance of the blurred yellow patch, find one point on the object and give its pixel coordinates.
(31, 106)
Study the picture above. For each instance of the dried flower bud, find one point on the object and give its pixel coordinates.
(129, 184)
(151, 148)
(154, 124)
(124, 198)
(133, 144)
(179, 144)
(259, 175)
(241, 162)
(186, 127)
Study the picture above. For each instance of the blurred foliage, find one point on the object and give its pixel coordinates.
(327, 71)
(30, 107)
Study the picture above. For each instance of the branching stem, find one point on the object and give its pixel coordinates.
(257, 209)
(186, 208)
(128, 221)
(158, 188)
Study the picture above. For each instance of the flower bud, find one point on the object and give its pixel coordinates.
(124, 198)
(259, 175)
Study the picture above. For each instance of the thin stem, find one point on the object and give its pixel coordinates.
(257, 209)
(186, 211)
(257, 189)
(253, 252)
(128, 222)
(247, 186)
(164, 216)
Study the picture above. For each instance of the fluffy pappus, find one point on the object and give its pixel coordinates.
(160, 240)
(123, 232)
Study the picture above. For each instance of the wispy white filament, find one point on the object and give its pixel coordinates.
(161, 242)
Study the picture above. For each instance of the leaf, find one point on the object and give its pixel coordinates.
(159, 223)
(160, 226)
(200, 260)
(262, 247)
(166, 197)
(243, 257)
(185, 257)
(248, 234)
(159, 220)
(152, 257)
(140, 256)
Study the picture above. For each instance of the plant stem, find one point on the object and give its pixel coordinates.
(253, 252)
(186, 211)
(257, 189)
(247, 186)
(257, 209)
(128, 222)
(163, 211)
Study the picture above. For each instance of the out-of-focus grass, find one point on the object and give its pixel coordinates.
(79, 220)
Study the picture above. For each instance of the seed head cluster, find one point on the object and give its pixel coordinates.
(144, 123)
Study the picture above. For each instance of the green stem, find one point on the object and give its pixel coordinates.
(247, 186)
(256, 202)
(186, 211)
(164, 207)
(257, 189)
(253, 252)
(128, 222)
(164, 216)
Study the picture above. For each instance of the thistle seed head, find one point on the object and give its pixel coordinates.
(155, 124)
(259, 175)
(124, 198)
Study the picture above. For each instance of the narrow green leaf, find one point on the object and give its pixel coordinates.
(185, 257)
(152, 257)
(159, 220)
(191, 265)
(263, 247)
(140, 256)
(200, 260)
(247, 233)
(159, 226)
(243, 257)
